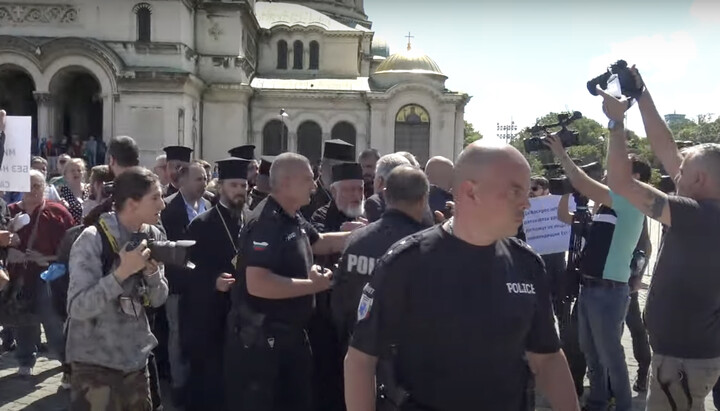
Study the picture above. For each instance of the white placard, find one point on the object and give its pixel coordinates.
(15, 169)
(543, 231)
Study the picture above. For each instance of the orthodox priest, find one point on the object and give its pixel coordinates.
(247, 152)
(204, 309)
(341, 214)
(262, 188)
(334, 152)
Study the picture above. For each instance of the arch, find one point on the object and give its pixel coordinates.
(345, 131)
(143, 14)
(282, 55)
(275, 135)
(78, 104)
(17, 95)
(314, 55)
(309, 143)
(102, 74)
(298, 51)
(412, 131)
(18, 61)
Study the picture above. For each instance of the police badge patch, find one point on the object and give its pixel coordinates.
(364, 307)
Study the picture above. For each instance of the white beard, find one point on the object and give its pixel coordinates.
(354, 212)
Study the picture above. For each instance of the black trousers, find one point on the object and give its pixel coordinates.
(205, 390)
(273, 372)
(567, 315)
(638, 332)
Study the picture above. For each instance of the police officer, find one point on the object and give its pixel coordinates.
(406, 196)
(262, 186)
(177, 156)
(335, 152)
(268, 362)
(459, 306)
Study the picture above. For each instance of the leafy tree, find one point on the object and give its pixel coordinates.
(470, 134)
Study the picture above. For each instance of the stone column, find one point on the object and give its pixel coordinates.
(45, 114)
(108, 127)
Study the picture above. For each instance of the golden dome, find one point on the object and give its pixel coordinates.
(409, 61)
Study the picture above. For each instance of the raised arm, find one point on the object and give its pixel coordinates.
(658, 134)
(588, 187)
(651, 201)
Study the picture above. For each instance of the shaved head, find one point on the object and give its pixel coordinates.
(490, 187)
(699, 176)
(439, 171)
(477, 159)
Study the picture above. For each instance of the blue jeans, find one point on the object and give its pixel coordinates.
(27, 337)
(602, 312)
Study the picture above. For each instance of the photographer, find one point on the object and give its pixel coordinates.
(682, 305)
(605, 269)
(108, 335)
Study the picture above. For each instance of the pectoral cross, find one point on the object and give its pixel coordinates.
(409, 37)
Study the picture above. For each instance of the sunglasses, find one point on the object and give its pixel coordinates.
(62, 162)
(535, 188)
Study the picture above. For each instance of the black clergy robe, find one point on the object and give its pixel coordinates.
(319, 198)
(204, 309)
(323, 335)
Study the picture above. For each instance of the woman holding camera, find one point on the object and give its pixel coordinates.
(113, 281)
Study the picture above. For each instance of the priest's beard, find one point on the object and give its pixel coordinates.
(354, 211)
(235, 207)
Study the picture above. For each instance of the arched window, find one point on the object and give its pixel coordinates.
(344, 131)
(298, 51)
(143, 13)
(282, 51)
(412, 131)
(275, 135)
(310, 141)
(314, 55)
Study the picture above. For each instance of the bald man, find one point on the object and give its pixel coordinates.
(439, 171)
(461, 305)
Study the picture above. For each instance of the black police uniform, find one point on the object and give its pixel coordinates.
(365, 247)
(268, 363)
(459, 319)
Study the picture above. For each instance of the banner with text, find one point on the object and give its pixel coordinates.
(15, 168)
(544, 232)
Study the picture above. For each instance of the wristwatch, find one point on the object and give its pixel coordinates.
(614, 125)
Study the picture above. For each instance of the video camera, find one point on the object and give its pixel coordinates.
(568, 138)
(174, 253)
(619, 79)
(561, 185)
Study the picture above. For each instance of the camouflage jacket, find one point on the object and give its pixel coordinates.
(99, 332)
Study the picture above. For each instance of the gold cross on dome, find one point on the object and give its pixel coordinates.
(409, 37)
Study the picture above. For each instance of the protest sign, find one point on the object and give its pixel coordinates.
(543, 231)
(15, 168)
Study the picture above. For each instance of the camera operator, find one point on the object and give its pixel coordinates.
(108, 335)
(604, 294)
(682, 305)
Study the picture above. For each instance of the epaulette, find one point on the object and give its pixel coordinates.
(525, 247)
(403, 246)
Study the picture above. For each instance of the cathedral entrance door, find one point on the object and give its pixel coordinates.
(78, 112)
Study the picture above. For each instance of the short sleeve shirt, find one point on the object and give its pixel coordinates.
(461, 318)
(612, 239)
(282, 244)
(684, 297)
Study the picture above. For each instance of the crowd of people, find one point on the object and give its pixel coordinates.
(368, 282)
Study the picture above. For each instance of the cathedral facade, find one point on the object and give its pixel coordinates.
(214, 74)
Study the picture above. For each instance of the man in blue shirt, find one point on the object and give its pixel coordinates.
(604, 295)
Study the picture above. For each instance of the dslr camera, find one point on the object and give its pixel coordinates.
(618, 76)
(561, 185)
(568, 138)
(173, 253)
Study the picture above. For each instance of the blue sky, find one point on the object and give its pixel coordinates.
(520, 59)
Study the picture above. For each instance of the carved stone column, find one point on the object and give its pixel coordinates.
(45, 114)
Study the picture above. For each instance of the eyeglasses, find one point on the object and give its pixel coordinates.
(535, 188)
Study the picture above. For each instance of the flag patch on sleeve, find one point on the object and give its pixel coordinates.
(259, 246)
